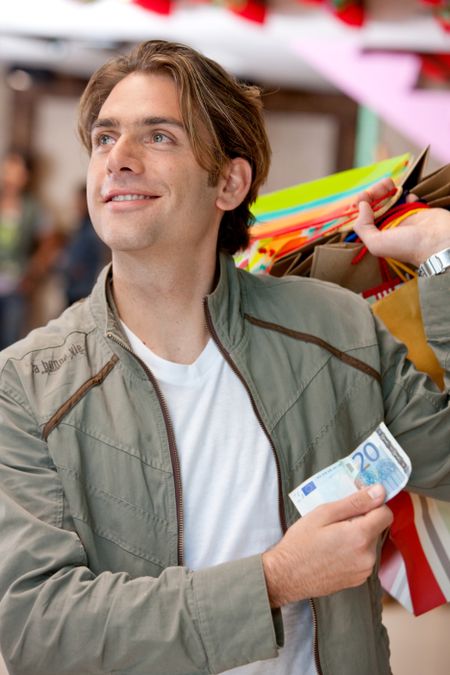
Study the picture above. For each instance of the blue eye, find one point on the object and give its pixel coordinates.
(104, 139)
(159, 137)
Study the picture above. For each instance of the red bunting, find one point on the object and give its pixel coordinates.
(353, 15)
(436, 67)
(158, 6)
(350, 12)
(249, 9)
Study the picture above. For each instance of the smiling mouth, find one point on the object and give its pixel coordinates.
(130, 198)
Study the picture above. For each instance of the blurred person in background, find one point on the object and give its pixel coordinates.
(83, 256)
(24, 225)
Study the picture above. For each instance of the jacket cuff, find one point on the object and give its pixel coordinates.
(434, 294)
(235, 618)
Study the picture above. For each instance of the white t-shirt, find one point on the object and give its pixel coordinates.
(230, 489)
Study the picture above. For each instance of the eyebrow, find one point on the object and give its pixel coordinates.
(113, 123)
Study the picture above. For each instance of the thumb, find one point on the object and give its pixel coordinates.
(356, 504)
(365, 221)
(365, 227)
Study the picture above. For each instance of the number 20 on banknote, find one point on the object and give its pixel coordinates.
(378, 459)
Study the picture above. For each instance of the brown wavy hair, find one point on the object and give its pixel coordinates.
(211, 100)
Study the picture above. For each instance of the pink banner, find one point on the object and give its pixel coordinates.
(385, 83)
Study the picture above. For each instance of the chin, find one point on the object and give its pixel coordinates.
(124, 240)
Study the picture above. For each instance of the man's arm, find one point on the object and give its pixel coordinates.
(58, 617)
(417, 413)
(330, 549)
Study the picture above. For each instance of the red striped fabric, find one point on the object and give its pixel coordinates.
(424, 589)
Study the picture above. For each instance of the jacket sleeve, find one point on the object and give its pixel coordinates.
(58, 617)
(416, 411)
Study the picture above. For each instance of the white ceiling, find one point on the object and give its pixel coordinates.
(75, 37)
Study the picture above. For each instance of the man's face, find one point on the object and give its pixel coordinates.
(145, 189)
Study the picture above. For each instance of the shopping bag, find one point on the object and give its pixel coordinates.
(333, 262)
(288, 221)
(400, 312)
(415, 562)
(294, 224)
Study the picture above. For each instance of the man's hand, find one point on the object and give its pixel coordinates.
(329, 549)
(412, 241)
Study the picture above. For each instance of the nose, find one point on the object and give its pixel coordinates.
(124, 155)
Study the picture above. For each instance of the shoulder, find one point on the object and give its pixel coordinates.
(47, 348)
(299, 293)
(54, 362)
(309, 305)
(75, 319)
(74, 325)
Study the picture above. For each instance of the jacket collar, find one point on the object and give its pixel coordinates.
(224, 304)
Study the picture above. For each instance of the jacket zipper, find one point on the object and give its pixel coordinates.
(172, 449)
(231, 363)
(176, 463)
(315, 638)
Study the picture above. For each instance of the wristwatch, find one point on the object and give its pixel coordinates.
(436, 264)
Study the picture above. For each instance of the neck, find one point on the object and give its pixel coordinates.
(161, 301)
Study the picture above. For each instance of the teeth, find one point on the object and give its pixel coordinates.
(128, 198)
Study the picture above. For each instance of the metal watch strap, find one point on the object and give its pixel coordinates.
(436, 264)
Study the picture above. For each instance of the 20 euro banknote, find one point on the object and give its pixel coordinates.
(378, 459)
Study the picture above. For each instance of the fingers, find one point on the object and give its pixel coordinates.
(354, 505)
(411, 198)
(364, 197)
(376, 241)
(365, 222)
(377, 191)
(375, 522)
(412, 242)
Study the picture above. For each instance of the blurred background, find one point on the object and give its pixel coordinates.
(346, 83)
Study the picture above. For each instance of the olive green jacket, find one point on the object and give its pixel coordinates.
(91, 507)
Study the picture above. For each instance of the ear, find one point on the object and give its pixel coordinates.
(234, 184)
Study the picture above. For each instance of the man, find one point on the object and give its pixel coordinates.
(152, 433)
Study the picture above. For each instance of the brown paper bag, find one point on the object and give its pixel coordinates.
(400, 312)
(333, 262)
